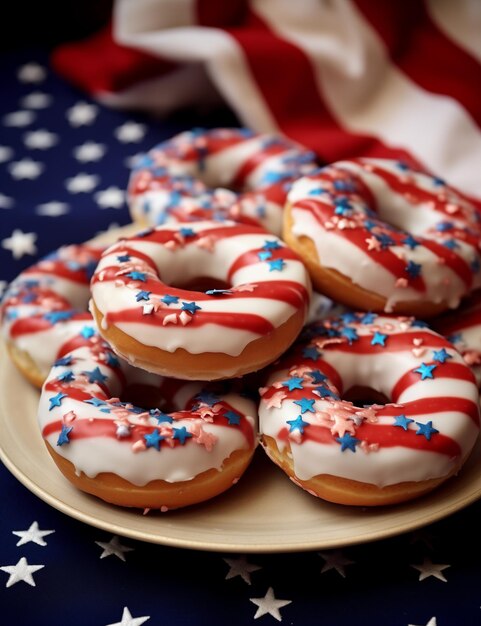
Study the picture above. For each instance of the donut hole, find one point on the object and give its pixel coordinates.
(202, 284)
(145, 396)
(361, 395)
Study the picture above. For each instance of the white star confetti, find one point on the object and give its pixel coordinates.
(18, 119)
(335, 560)
(40, 139)
(269, 605)
(52, 209)
(31, 73)
(6, 153)
(6, 202)
(130, 132)
(128, 620)
(89, 151)
(36, 100)
(82, 114)
(33, 534)
(20, 243)
(26, 169)
(113, 547)
(428, 568)
(21, 571)
(110, 198)
(82, 183)
(241, 567)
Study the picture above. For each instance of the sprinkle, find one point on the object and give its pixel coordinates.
(147, 309)
(402, 421)
(311, 352)
(413, 269)
(441, 355)
(411, 242)
(232, 417)
(186, 232)
(293, 383)
(153, 439)
(123, 258)
(275, 401)
(306, 405)
(66, 377)
(401, 283)
(58, 316)
(56, 400)
(276, 265)
(87, 332)
(191, 307)
(64, 435)
(379, 339)
(297, 425)
(169, 319)
(95, 401)
(181, 434)
(264, 255)
(185, 318)
(95, 376)
(217, 292)
(347, 441)
(122, 431)
(272, 245)
(142, 295)
(349, 333)
(426, 429)
(142, 276)
(426, 371)
(207, 243)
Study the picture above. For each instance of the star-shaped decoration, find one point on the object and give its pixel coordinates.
(135, 275)
(31, 73)
(82, 183)
(153, 439)
(181, 434)
(130, 132)
(20, 243)
(350, 334)
(52, 209)
(402, 421)
(18, 119)
(269, 605)
(379, 339)
(40, 139)
(128, 620)
(335, 560)
(233, 417)
(90, 151)
(428, 568)
(426, 429)
(297, 424)
(168, 299)
(190, 307)
(36, 100)
(25, 169)
(413, 269)
(21, 571)
(293, 383)
(276, 265)
(441, 356)
(63, 437)
(82, 114)
(347, 441)
(306, 404)
(241, 567)
(110, 198)
(95, 375)
(142, 295)
(33, 534)
(113, 548)
(426, 371)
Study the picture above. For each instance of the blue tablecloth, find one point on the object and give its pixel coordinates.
(64, 166)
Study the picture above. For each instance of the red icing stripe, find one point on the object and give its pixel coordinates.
(255, 160)
(398, 342)
(457, 371)
(452, 260)
(251, 257)
(431, 406)
(36, 324)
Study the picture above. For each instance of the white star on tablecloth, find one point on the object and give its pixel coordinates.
(36, 100)
(428, 568)
(18, 119)
(82, 183)
(21, 571)
(110, 198)
(241, 567)
(52, 209)
(40, 139)
(20, 243)
(33, 534)
(335, 560)
(26, 169)
(6, 202)
(3, 286)
(89, 151)
(113, 547)
(432, 622)
(130, 132)
(31, 73)
(82, 114)
(6, 153)
(269, 604)
(128, 620)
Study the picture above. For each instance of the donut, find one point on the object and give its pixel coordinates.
(379, 236)
(194, 446)
(204, 302)
(221, 173)
(44, 311)
(369, 410)
(463, 329)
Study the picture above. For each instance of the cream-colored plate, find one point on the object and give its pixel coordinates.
(264, 512)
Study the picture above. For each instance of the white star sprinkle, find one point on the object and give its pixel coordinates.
(6, 202)
(6, 153)
(82, 114)
(128, 620)
(33, 534)
(82, 183)
(36, 100)
(130, 132)
(269, 605)
(432, 622)
(335, 560)
(31, 73)
(18, 119)
(21, 571)
(89, 151)
(110, 198)
(428, 568)
(241, 567)
(40, 139)
(113, 547)
(26, 169)
(52, 209)
(20, 243)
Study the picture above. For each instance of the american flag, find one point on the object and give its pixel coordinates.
(64, 164)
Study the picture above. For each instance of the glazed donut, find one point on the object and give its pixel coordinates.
(222, 173)
(316, 425)
(251, 299)
(463, 329)
(44, 310)
(142, 457)
(377, 235)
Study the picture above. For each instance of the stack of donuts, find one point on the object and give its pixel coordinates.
(331, 314)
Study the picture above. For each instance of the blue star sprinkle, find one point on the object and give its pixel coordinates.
(379, 339)
(276, 265)
(413, 269)
(123, 258)
(451, 244)
(168, 299)
(112, 360)
(142, 276)
(87, 332)
(142, 295)
(426, 371)
(64, 361)
(191, 307)
(349, 317)
(311, 352)
(56, 400)
(426, 429)
(95, 401)
(63, 436)
(232, 417)
(153, 439)
(385, 240)
(161, 417)
(317, 376)
(272, 245)
(58, 316)
(217, 292)
(441, 356)
(350, 334)
(368, 318)
(411, 242)
(207, 397)
(306, 405)
(187, 232)
(325, 392)
(66, 377)
(292, 383)
(297, 424)
(95, 376)
(347, 441)
(402, 421)
(264, 255)
(181, 434)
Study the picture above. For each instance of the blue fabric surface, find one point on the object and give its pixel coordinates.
(83, 582)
